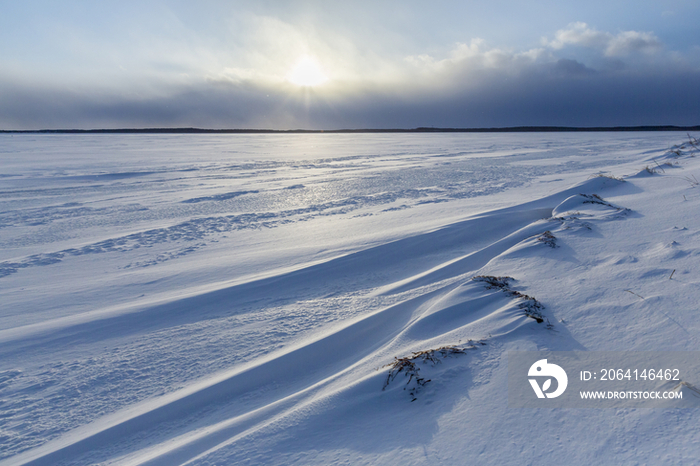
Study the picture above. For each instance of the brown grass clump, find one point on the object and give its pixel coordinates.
(605, 175)
(494, 282)
(548, 238)
(531, 307)
(408, 367)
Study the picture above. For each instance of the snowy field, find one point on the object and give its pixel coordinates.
(239, 299)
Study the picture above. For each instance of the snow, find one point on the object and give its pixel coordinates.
(240, 299)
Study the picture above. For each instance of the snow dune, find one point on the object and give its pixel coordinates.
(590, 262)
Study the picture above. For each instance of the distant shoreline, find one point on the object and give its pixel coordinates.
(513, 129)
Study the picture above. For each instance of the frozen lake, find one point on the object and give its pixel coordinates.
(138, 271)
(64, 196)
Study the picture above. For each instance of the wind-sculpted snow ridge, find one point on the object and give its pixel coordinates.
(286, 384)
(433, 312)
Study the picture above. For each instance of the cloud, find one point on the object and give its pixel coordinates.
(621, 44)
(472, 84)
(632, 41)
(569, 67)
(477, 54)
(471, 65)
(563, 92)
(579, 34)
(468, 65)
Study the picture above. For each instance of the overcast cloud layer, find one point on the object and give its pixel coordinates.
(396, 65)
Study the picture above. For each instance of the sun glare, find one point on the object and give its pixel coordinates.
(307, 72)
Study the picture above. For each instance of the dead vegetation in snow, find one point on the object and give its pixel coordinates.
(409, 365)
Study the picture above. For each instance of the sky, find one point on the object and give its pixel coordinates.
(360, 64)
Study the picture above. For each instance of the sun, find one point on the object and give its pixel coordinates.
(307, 72)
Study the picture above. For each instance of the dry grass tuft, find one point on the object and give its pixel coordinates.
(548, 238)
(409, 368)
(691, 146)
(692, 180)
(605, 175)
(494, 282)
(531, 307)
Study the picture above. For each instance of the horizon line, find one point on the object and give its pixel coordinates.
(420, 129)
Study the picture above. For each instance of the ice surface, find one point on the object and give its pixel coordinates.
(239, 299)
